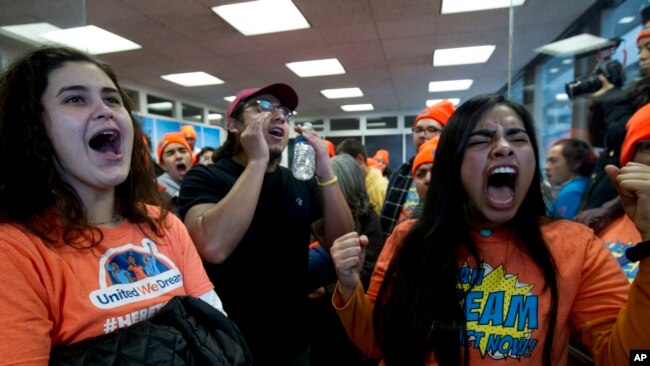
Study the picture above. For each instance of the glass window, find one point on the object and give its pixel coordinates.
(192, 113)
(318, 124)
(381, 122)
(217, 119)
(409, 121)
(392, 143)
(336, 140)
(160, 106)
(342, 124)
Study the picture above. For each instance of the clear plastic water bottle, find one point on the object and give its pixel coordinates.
(304, 157)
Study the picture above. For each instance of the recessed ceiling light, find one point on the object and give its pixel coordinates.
(560, 97)
(29, 32)
(461, 6)
(462, 55)
(261, 17)
(453, 101)
(160, 106)
(230, 98)
(357, 107)
(567, 61)
(305, 69)
(554, 70)
(626, 20)
(449, 85)
(192, 79)
(91, 39)
(342, 93)
(575, 45)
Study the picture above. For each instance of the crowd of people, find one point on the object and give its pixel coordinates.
(467, 253)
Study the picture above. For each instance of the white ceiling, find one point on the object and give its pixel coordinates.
(385, 46)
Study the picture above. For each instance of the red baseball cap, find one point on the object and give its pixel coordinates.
(285, 94)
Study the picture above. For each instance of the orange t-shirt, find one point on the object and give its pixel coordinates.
(58, 295)
(507, 308)
(619, 236)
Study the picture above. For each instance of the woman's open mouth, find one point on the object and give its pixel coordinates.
(501, 187)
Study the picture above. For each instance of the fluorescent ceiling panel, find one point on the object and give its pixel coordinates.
(91, 39)
(29, 32)
(215, 116)
(230, 98)
(462, 55)
(193, 79)
(305, 69)
(450, 85)
(453, 101)
(461, 6)
(263, 16)
(357, 107)
(342, 93)
(574, 45)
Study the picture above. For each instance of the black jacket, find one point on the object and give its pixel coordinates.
(186, 331)
(608, 115)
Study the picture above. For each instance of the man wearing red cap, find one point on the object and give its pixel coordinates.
(401, 195)
(250, 220)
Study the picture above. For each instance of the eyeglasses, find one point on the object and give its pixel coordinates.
(430, 129)
(268, 106)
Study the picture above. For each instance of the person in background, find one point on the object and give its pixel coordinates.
(483, 268)
(382, 157)
(331, 149)
(189, 133)
(609, 221)
(428, 123)
(79, 197)
(422, 165)
(610, 109)
(175, 158)
(205, 156)
(326, 331)
(376, 184)
(569, 164)
(251, 222)
(422, 173)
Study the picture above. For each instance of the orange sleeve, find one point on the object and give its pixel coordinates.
(195, 279)
(612, 337)
(386, 255)
(25, 314)
(610, 316)
(356, 317)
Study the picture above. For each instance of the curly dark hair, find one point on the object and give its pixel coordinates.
(30, 186)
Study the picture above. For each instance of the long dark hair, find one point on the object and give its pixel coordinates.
(30, 185)
(418, 308)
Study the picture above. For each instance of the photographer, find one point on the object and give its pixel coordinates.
(610, 110)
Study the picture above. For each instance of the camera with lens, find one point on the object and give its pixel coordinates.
(611, 69)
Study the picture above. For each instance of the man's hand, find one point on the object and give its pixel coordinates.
(323, 169)
(633, 184)
(604, 87)
(252, 138)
